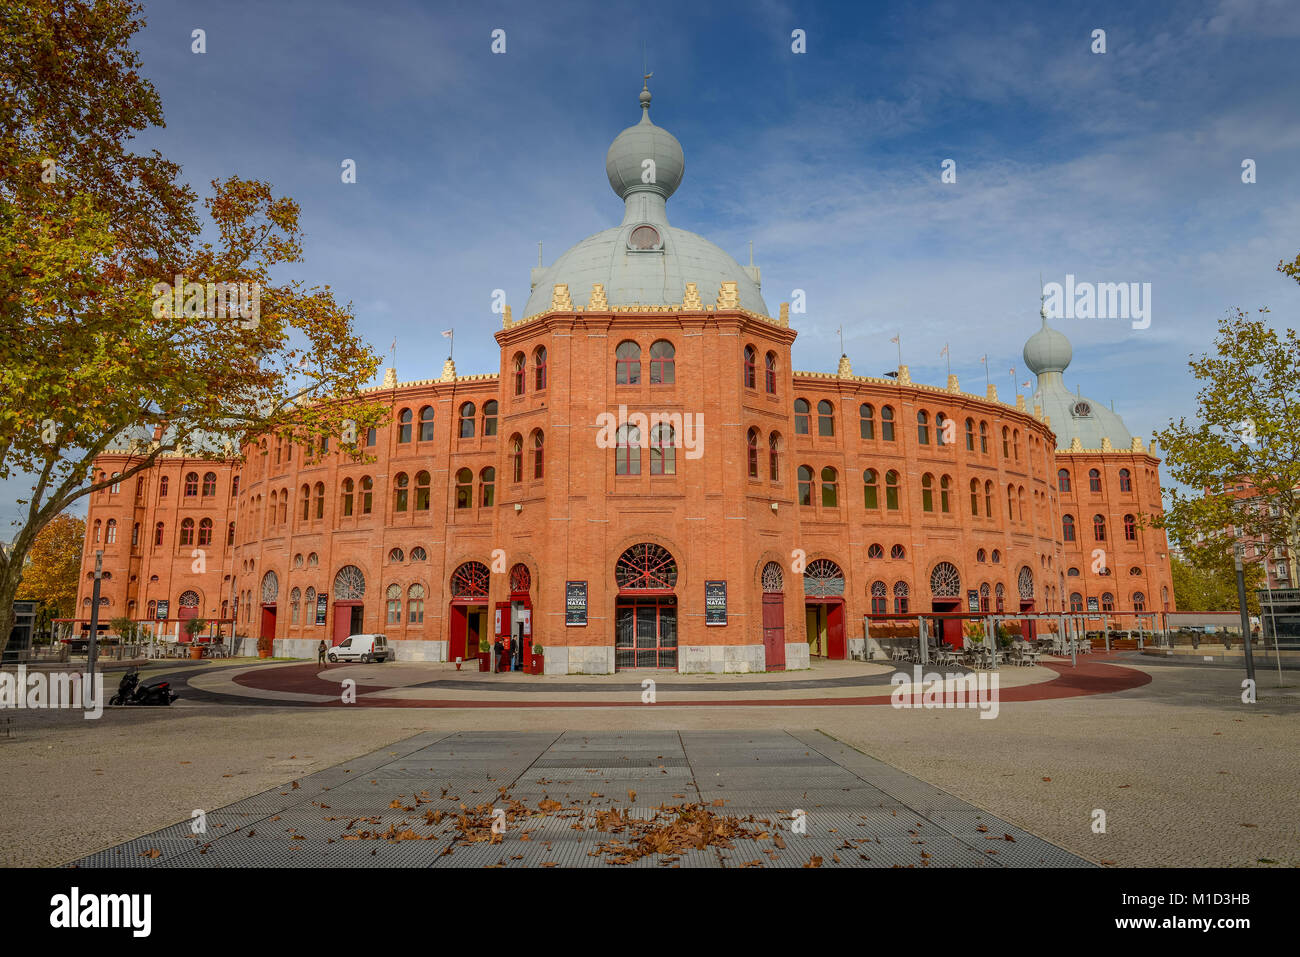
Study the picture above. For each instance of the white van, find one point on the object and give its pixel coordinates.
(363, 648)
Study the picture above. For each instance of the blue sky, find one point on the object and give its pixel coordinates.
(1124, 166)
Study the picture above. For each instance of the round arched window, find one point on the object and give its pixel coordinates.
(945, 581)
(645, 237)
(470, 580)
(646, 566)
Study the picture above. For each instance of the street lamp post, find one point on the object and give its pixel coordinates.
(93, 647)
(1245, 614)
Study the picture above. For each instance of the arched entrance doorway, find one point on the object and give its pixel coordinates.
(468, 611)
(774, 616)
(945, 595)
(270, 591)
(823, 591)
(517, 613)
(1025, 585)
(645, 612)
(349, 612)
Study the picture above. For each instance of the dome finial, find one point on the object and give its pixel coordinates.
(645, 91)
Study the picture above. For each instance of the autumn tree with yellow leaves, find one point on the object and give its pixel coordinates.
(96, 354)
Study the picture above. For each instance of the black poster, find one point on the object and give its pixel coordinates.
(715, 603)
(1092, 604)
(575, 603)
(322, 606)
(973, 600)
(163, 607)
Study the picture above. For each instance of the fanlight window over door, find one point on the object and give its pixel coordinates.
(1025, 583)
(646, 567)
(349, 584)
(520, 580)
(470, 580)
(945, 581)
(270, 588)
(773, 579)
(823, 579)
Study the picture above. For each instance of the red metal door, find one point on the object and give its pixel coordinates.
(836, 648)
(456, 635)
(342, 622)
(268, 621)
(774, 631)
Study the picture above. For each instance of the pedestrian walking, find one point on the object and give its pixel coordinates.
(320, 655)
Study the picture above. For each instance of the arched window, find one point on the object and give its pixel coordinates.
(941, 436)
(349, 584)
(415, 605)
(774, 456)
(401, 491)
(985, 593)
(830, 495)
(923, 427)
(984, 438)
(981, 556)
(663, 450)
(1011, 503)
(422, 492)
(517, 371)
(209, 484)
(539, 368)
(627, 364)
(867, 420)
(158, 534)
(404, 419)
(516, 458)
(1099, 527)
(1067, 528)
(1063, 480)
(974, 496)
(751, 358)
(1130, 529)
(1107, 602)
(367, 494)
(464, 488)
(1076, 602)
(751, 452)
(284, 506)
(393, 601)
(539, 454)
(153, 608)
(999, 594)
(309, 606)
(1094, 480)
(295, 600)
(112, 525)
(970, 435)
(191, 484)
(879, 598)
(870, 489)
(467, 420)
(1015, 444)
(487, 486)
(945, 484)
(1020, 497)
(898, 552)
(1006, 442)
(1125, 481)
(988, 499)
(805, 485)
(887, 423)
(418, 554)
(320, 499)
(230, 534)
(825, 418)
(945, 581)
(801, 409)
(304, 502)
(927, 492)
(346, 499)
(997, 557)
(187, 532)
(773, 579)
(662, 363)
(1073, 572)
(891, 491)
(490, 417)
(162, 487)
(770, 373)
(646, 567)
(426, 424)
(205, 531)
(396, 556)
(823, 579)
(900, 598)
(875, 550)
(627, 450)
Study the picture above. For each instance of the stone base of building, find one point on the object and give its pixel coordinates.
(420, 650)
(712, 659)
(797, 657)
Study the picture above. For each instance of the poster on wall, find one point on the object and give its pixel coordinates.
(715, 603)
(1092, 603)
(498, 631)
(526, 619)
(973, 600)
(322, 606)
(575, 603)
(163, 607)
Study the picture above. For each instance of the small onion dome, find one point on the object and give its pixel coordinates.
(625, 162)
(1047, 351)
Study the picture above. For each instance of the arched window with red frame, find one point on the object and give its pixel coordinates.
(187, 532)
(627, 364)
(1130, 529)
(751, 453)
(191, 484)
(663, 363)
(769, 373)
(205, 532)
(517, 458)
(539, 454)
(750, 376)
(519, 366)
(774, 457)
(539, 368)
(426, 424)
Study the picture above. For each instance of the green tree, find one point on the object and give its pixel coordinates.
(1213, 589)
(96, 357)
(53, 564)
(1239, 463)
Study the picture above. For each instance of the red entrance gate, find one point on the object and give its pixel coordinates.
(774, 630)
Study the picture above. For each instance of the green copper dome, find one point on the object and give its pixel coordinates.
(1074, 416)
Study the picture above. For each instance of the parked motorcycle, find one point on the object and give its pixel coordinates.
(131, 691)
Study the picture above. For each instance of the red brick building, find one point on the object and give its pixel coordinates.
(644, 443)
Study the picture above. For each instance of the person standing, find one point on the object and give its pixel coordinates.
(320, 655)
